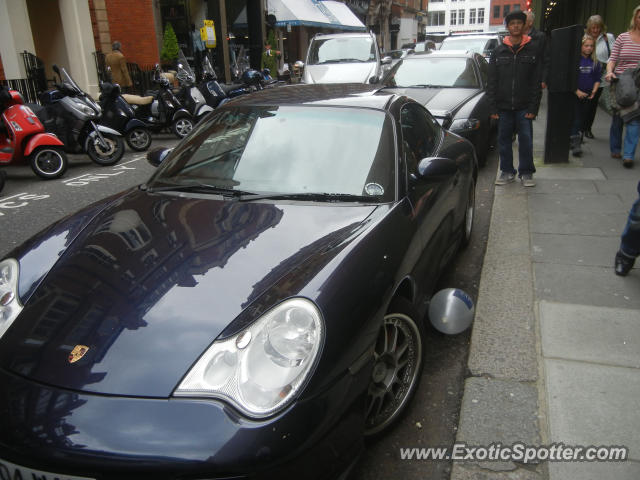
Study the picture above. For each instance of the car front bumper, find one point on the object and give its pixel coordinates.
(105, 437)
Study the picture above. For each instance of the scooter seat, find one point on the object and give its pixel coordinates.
(137, 99)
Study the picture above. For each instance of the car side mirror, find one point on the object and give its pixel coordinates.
(386, 60)
(157, 155)
(437, 168)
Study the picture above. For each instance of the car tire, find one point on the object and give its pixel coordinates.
(182, 127)
(398, 362)
(469, 215)
(138, 139)
(48, 162)
(109, 156)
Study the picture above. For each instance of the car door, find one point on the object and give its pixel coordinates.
(431, 198)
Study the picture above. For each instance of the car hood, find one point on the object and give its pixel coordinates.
(441, 102)
(153, 279)
(340, 73)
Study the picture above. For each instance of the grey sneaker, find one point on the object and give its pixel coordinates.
(505, 177)
(527, 180)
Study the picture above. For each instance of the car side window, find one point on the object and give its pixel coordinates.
(484, 69)
(419, 134)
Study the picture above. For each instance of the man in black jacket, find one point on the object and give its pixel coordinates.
(514, 91)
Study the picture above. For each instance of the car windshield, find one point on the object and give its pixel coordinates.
(288, 150)
(342, 50)
(476, 45)
(435, 72)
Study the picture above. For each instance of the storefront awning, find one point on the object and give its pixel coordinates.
(314, 13)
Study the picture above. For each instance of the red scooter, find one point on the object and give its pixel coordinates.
(23, 138)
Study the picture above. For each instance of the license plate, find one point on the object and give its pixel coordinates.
(11, 471)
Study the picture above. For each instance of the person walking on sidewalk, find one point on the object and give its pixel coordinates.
(625, 54)
(543, 46)
(630, 242)
(514, 93)
(118, 65)
(604, 43)
(588, 82)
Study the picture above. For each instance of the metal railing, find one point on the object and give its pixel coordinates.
(36, 81)
(140, 76)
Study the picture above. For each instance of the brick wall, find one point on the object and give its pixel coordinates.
(131, 23)
(511, 5)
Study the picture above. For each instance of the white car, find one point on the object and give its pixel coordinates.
(344, 58)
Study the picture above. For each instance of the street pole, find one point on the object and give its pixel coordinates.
(224, 34)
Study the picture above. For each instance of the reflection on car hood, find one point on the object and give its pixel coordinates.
(153, 279)
(440, 100)
(340, 72)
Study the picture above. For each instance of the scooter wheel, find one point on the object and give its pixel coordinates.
(182, 127)
(106, 156)
(138, 139)
(48, 162)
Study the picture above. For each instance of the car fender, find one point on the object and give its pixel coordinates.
(41, 139)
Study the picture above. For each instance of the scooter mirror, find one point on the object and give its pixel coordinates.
(157, 155)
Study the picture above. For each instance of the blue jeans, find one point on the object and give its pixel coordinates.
(510, 122)
(630, 137)
(630, 243)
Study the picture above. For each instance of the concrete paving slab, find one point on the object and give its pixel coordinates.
(626, 189)
(587, 285)
(544, 187)
(591, 334)
(592, 404)
(568, 172)
(503, 338)
(498, 411)
(573, 249)
(571, 203)
(578, 223)
(594, 471)
(469, 472)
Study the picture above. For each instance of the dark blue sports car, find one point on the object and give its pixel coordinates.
(253, 311)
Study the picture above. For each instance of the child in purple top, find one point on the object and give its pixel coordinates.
(589, 73)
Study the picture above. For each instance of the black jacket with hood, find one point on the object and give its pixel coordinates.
(515, 76)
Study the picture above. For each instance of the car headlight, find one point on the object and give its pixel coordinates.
(464, 125)
(10, 305)
(262, 368)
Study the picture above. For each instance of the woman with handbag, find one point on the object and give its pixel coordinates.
(625, 54)
(604, 43)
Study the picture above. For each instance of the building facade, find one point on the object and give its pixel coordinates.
(500, 9)
(457, 16)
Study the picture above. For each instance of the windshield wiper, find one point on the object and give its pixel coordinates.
(198, 187)
(313, 196)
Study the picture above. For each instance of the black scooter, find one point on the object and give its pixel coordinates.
(118, 115)
(216, 93)
(190, 95)
(72, 115)
(161, 109)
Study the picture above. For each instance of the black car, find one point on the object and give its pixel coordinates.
(252, 311)
(452, 85)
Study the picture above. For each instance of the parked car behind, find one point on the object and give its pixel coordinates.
(484, 43)
(452, 86)
(251, 311)
(344, 58)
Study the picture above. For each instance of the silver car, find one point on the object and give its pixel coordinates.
(344, 58)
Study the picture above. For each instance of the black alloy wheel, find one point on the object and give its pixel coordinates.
(397, 367)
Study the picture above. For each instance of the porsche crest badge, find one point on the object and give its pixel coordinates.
(77, 353)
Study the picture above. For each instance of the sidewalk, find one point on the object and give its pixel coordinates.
(555, 349)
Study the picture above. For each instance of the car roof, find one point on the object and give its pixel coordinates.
(337, 94)
(444, 53)
(341, 35)
(486, 35)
